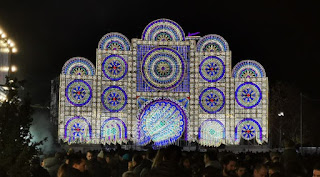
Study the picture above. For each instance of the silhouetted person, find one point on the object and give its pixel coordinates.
(260, 170)
(229, 162)
(36, 170)
(169, 167)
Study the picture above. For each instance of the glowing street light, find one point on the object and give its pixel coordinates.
(14, 50)
(280, 114)
(14, 68)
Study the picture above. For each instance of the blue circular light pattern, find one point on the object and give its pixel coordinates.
(212, 69)
(162, 121)
(77, 129)
(211, 100)
(114, 67)
(114, 41)
(248, 69)
(78, 66)
(212, 43)
(78, 92)
(163, 30)
(248, 129)
(248, 132)
(114, 98)
(248, 95)
(163, 68)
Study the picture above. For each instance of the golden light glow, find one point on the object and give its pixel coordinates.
(14, 50)
(14, 68)
(4, 68)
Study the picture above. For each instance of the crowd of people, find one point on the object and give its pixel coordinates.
(172, 162)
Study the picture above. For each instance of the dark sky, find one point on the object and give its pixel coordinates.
(283, 36)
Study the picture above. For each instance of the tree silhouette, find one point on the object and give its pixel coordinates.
(16, 148)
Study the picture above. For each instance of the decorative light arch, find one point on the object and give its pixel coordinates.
(114, 41)
(163, 30)
(212, 133)
(248, 69)
(248, 129)
(163, 121)
(113, 130)
(77, 130)
(212, 43)
(78, 66)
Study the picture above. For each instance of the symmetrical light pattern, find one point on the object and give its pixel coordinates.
(114, 41)
(248, 129)
(248, 132)
(248, 69)
(114, 98)
(78, 66)
(212, 43)
(211, 100)
(163, 68)
(114, 67)
(163, 121)
(113, 130)
(163, 88)
(77, 130)
(163, 30)
(78, 92)
(248, 95)
(211, 133)
(212, 69)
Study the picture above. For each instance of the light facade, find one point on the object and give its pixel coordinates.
(160, 88)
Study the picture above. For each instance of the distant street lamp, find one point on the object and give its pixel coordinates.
(280, 114)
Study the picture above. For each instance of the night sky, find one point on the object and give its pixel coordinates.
(282, 36)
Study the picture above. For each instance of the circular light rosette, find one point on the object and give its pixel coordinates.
(248, 132)
(248, 95)
(212, 69)
(162, 121)
(78, 92)
(114, 98)
(211, 100)
(114, 67)
(163, 68)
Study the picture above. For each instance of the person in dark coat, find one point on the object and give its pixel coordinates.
(36, 170)
(52, 164)
(169, 167)
(76, 167)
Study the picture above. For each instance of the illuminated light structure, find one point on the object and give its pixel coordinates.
(163, 88)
